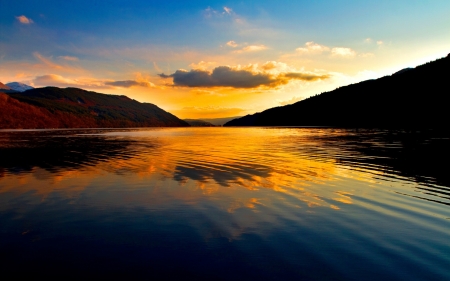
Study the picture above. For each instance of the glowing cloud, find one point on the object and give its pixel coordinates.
(253, 48)
(60, 81)
(55, 80)
(343, 52)
(232, 44)
(68, 58)
(24, 20)
(312, 48)
(202, 65)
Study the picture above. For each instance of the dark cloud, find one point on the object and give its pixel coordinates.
(305, 76)
(128, 83)
(224, 76)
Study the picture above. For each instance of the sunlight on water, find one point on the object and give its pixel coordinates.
(234, 203)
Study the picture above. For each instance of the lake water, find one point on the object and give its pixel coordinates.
(225, 204)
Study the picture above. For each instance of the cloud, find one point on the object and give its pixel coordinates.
(225, 76)
(228, 10)
(60, 81)
(157, 67)
(253, 48)
(368, 40)
(202, 65)
(210, 12)
(232, 44)
(47, 62)
(305, 76)
(343, 52)
(312, 48)
(68, 58)
(24, 20)
(130, 83)
(379, 43)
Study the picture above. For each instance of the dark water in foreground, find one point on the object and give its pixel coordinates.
(225, 204)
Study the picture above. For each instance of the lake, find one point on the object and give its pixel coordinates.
(225, 204)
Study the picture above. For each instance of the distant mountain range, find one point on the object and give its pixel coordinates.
(198, 123)
(53, 107)
(209, 122)
(410, 98)
(220, 121)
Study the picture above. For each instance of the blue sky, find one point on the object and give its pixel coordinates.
(300, 48)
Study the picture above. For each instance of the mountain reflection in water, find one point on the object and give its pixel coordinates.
(226, 203)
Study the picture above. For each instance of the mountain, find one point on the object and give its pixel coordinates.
(19, 87)
(53, 107)
(410, 98)
(198, 123)
(219, 121)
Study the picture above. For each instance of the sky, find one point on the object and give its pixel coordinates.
(213, 59)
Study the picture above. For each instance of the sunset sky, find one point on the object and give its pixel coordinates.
(211, 59)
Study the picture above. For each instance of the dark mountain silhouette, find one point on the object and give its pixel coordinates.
(53, 107)
(410, 98)
(198, 123)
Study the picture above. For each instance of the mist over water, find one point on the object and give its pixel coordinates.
(226, 203)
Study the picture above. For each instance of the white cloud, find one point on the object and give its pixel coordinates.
(232, 44)
(343, 52)
(379, 43)
(228, 10)
(312, 48)
(368, 40)
(24, 20)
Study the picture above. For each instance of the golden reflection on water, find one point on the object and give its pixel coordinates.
(217, 161)
(203, 162)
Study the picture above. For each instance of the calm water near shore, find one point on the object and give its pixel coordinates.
(226, 204)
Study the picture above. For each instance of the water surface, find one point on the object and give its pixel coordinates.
(226, 204)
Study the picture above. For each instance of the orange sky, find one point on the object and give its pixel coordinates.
(220, 60)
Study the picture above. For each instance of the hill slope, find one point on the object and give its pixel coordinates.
(53, 107)
(410, 98)
(4, 87)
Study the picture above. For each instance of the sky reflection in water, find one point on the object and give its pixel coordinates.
(226, 203)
